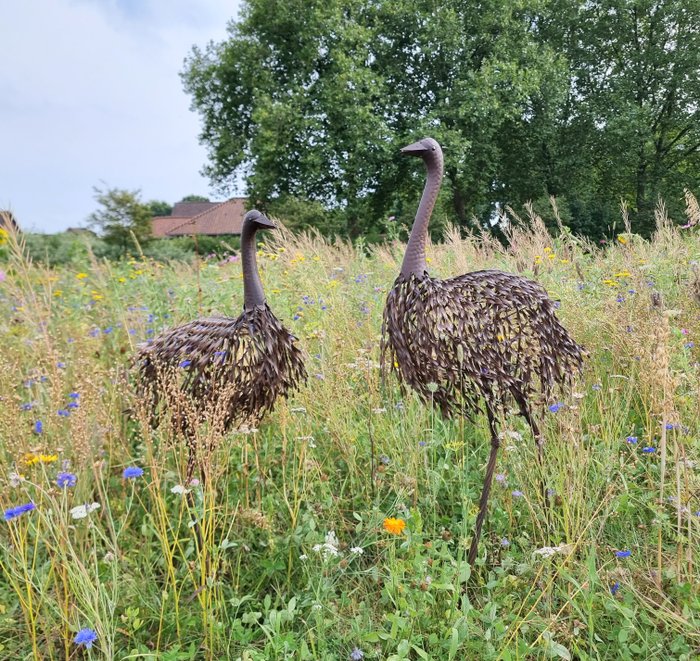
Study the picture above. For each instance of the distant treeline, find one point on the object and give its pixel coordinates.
(74, 248)
(591, 101)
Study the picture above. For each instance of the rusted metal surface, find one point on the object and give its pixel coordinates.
(483, 337)
(247, 362)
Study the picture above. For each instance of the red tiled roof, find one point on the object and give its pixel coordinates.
(191, 209)
(161, 225)
(224, 218)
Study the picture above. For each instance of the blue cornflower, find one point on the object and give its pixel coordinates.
(670, 425)
(385, 460)
(623, 554)
(14, 512)
(554, 408)
(357, 654)
(74, 395)
(505, 542)
(85, 637)
(63, 413)
(632, 439)
(94, 332)
(620, 298)
(132, 472)
(26, 407)
(186, 363)
(614, 588)
(61, 366)
(422, 444)
(649, 449)
(107, 330)
(296, 317)
(72, 405)
(689, 345)
(38, 427)
(517, 494)
(64, 480)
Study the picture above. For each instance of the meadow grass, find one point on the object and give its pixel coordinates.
(279, 550)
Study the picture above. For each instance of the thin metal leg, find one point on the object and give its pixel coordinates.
(486, 489)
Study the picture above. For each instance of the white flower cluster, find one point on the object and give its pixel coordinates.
(329, 548)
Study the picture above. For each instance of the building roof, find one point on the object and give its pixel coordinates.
(223, 218)
(161, 225)
(191, 209)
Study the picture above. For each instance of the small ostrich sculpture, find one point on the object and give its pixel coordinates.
(485, 335)
(244, 363)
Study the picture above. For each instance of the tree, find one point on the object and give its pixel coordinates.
(313, 99)
(628, 125)
(160, 208)
(121, 215)
(638, 63)
(194, 198)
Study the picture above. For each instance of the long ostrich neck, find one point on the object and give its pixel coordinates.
(414, 259)
(253, 294)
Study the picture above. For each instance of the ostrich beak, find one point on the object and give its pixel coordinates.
(416, 149)
(264, 222)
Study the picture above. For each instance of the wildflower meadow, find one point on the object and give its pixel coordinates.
(339, 528)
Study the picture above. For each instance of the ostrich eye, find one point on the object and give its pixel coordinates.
(433, 148)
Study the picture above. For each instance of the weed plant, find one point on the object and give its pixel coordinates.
(338, 529)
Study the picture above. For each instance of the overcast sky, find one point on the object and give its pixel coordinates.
(90, 93)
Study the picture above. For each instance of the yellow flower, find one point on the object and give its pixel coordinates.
(622, 239)
(610, 282)
(58, 293)
(122, 279)
(3, 236)
(623, 274)
(429, 260)
(30, 458)
(548, 249)
(81, 276)
(394, 526)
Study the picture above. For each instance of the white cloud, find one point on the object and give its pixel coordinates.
(89, 92)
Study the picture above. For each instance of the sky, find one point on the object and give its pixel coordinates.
(90, 95)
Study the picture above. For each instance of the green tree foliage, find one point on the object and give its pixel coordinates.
(314, 99)
(588, 101)
(121, 216)
(160, 208)
(194, 198)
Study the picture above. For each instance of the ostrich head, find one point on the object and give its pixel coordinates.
(257, 220)
(425, 148)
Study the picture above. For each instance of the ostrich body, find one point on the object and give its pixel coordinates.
(244, 363)
(484, 336)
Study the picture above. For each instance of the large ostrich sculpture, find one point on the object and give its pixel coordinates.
(486, 335)
(242, 364)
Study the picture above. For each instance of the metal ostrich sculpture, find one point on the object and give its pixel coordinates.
(483, 336)
(244, 363)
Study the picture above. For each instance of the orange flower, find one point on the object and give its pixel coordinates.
(394, 526)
